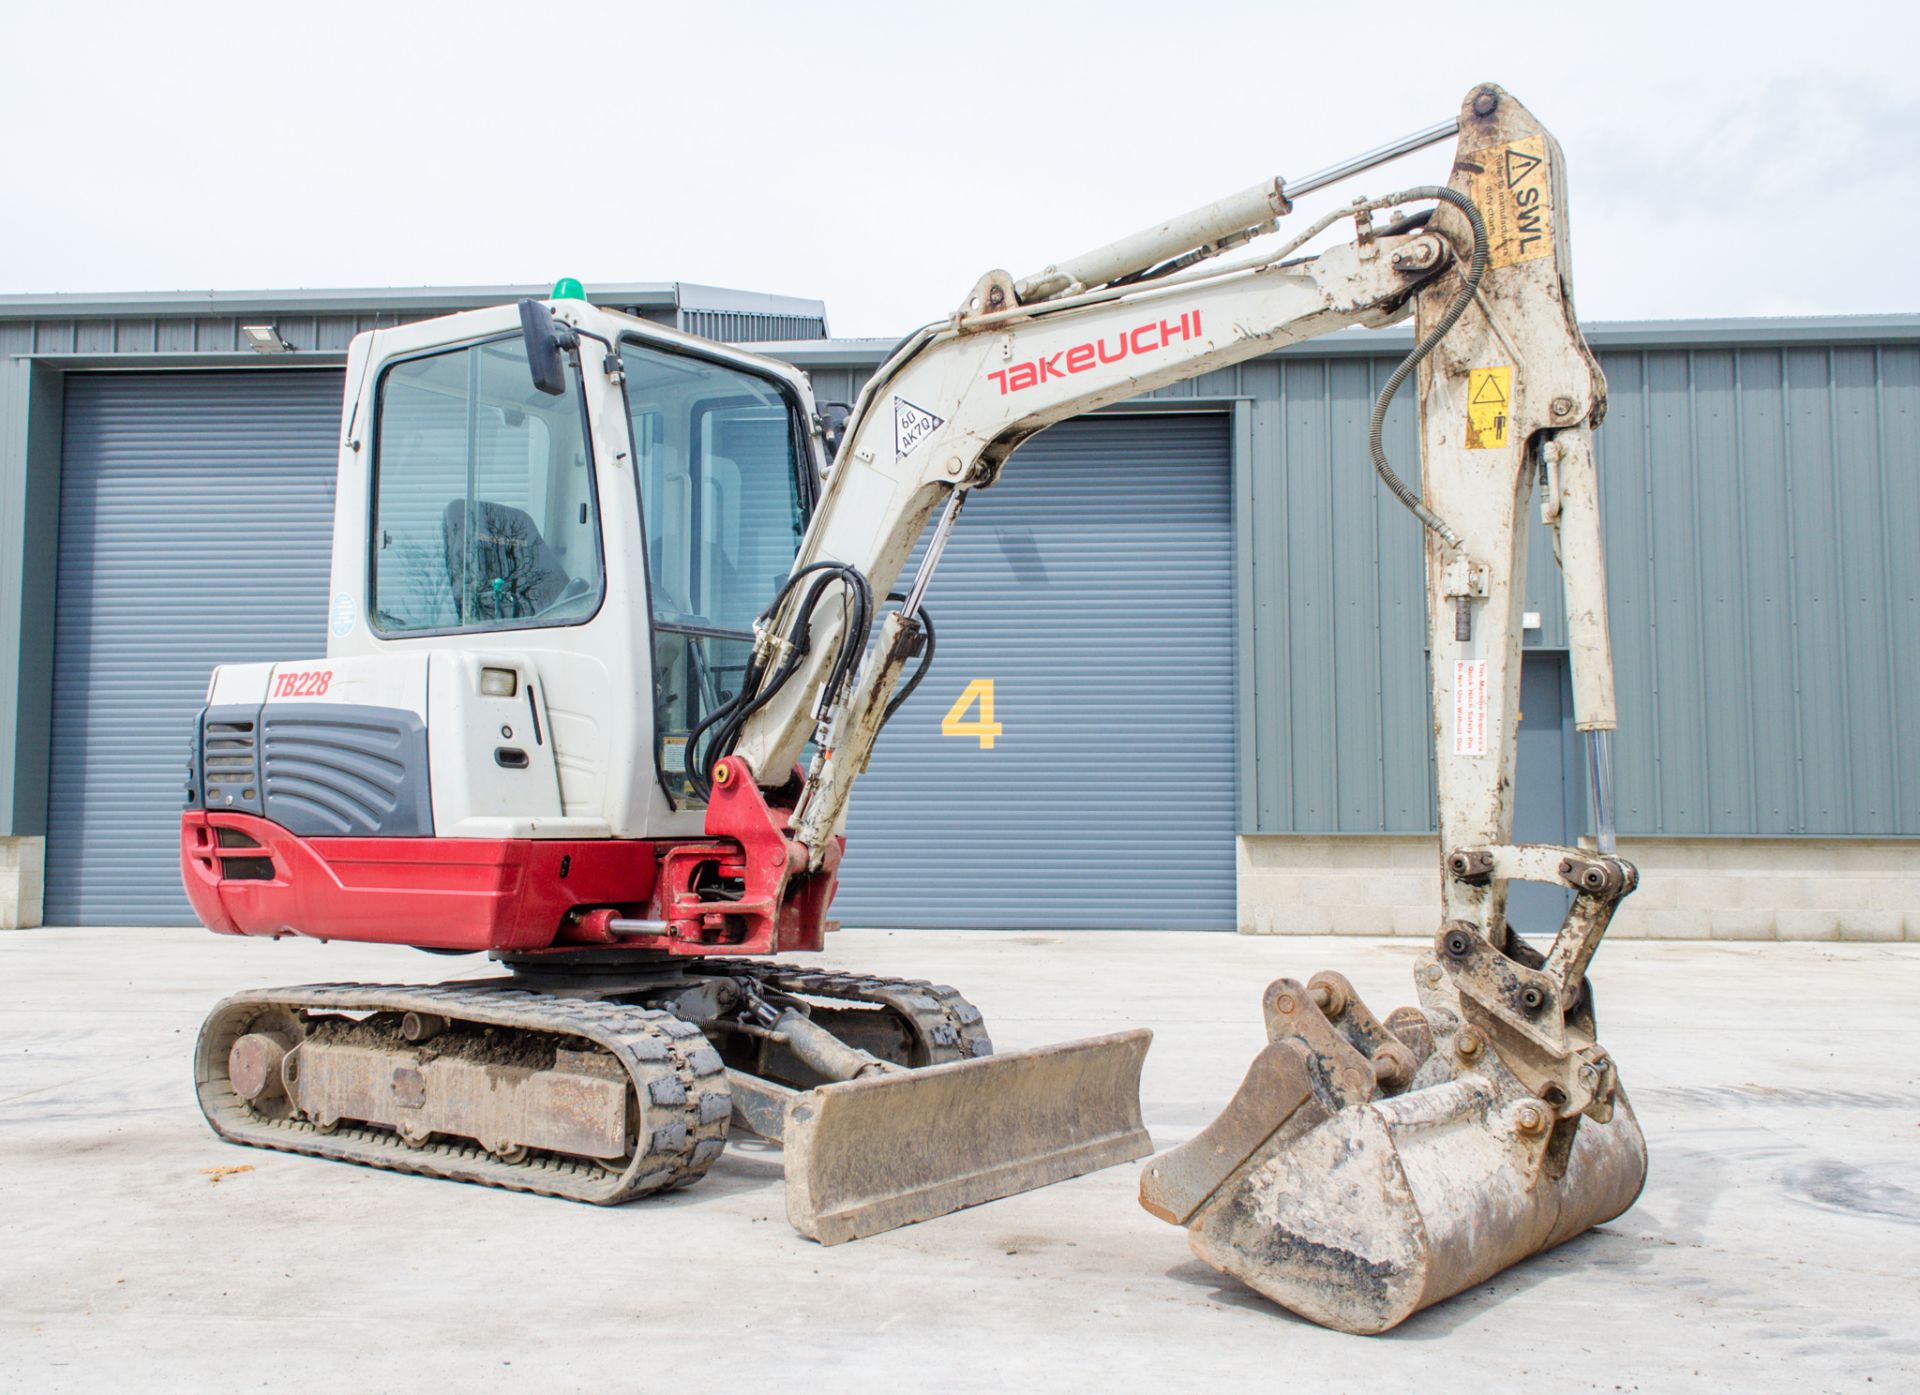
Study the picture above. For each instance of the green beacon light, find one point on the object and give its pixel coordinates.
(566, 288)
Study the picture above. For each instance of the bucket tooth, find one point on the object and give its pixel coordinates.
(886, 1150)
(1276, 1091)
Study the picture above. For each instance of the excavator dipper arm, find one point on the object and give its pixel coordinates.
(1369, 1168)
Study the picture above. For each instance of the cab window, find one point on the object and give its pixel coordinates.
(725, 496)
(484, 513)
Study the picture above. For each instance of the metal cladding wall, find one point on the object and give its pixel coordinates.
(195, 516)
(1094, 587)
(160, 326)
(1762, 517)
(1762, 511)
(1761, 486)
(735, 327)
(1335, 604)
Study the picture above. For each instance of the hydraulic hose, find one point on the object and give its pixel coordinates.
(920, 670)
(727, 720)
(1475, 270)
(722, 717)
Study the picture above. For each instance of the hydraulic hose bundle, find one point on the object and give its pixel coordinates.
(724, 723)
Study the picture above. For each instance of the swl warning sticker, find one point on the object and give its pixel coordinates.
(1469, 707)
(1510, 186)
(911, 426)
(1489, 407)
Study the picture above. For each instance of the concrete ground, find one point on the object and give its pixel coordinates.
(1774, 1247)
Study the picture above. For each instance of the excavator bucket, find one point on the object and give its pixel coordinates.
(888, 1149)
(1365, 1170)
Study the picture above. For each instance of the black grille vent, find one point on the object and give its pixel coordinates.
(230, 758)
(336, 770)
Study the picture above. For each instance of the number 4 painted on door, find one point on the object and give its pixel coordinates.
(955, 724)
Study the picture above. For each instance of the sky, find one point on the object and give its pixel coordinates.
(1723, 159)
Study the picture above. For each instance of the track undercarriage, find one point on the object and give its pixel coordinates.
(595, 1079)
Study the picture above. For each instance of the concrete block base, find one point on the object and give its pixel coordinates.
(1690, 888)
(23, 866)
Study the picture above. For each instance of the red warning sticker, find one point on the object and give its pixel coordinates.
(1470, 707)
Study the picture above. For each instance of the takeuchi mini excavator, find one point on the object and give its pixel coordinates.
(614, 630)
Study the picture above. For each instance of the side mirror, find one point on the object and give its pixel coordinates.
(831, 417)
(547, 342)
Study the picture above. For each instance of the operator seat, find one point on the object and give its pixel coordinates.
(512, 572)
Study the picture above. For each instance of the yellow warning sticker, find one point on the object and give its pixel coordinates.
(1512, 187)
(1489, 407)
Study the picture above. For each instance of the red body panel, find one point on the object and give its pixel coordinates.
(743, 889)
(435, 893)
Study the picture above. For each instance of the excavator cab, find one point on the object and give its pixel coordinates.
(560, 529)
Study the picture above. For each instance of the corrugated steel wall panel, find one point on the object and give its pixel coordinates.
(745, 327)
(195, 515)
(1758, 506)
(1094, 586)
(220, 334)
(1897, 439)
(1337, 607)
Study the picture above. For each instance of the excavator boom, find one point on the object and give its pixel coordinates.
(1366, 1168)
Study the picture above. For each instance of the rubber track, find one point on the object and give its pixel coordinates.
(950, 1026)
(678, 1078)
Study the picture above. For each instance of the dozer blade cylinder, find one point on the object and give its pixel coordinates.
(825, 1052)
(868, 1155)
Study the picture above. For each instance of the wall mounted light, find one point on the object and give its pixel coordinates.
(266, 339)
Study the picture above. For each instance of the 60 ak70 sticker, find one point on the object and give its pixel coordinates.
(911, 426)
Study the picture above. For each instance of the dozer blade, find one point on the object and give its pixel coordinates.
(882, 1151)
(1364, 1171)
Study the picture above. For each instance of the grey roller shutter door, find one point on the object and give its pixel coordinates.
(1094, 586)
(195, 516)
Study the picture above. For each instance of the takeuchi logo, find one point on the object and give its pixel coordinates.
(1142, 339)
